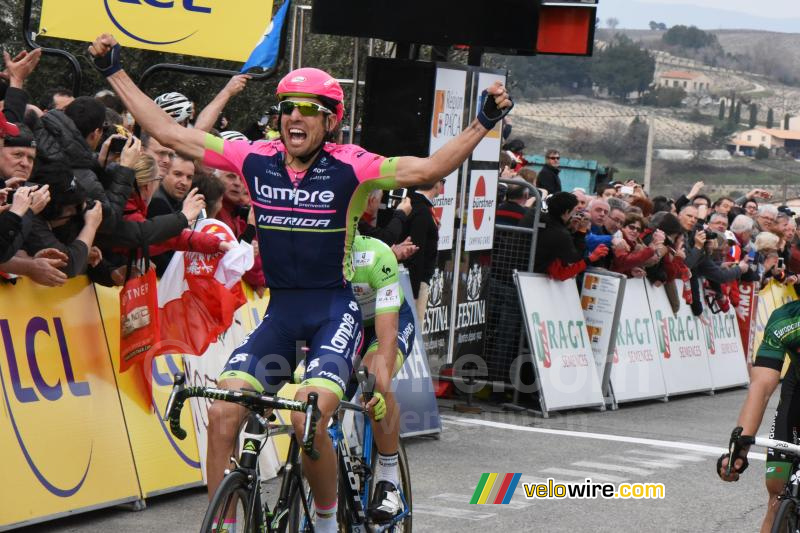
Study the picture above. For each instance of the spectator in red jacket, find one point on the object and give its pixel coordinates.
(640, 255)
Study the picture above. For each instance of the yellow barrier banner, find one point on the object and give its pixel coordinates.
(218, 29)
(163, 462)
(63, 440)
(771, 297)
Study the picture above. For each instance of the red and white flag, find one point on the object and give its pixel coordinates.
(199, 293)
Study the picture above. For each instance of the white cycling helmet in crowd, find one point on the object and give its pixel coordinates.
(177, 106)
(233, 136)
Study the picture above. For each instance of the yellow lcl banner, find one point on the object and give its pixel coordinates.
(218, 29)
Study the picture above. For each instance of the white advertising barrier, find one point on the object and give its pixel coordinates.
(562, 353)
(601, 298)
(446, 123)
(726, 358)
(203, 371)
(681, 342)
(636, 370)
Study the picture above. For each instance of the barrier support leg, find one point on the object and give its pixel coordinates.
(134, 506)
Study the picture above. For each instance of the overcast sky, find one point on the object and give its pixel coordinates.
(771, 15)
(789, 8)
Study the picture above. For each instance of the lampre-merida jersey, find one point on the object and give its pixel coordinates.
(375, 284)
(781, 337)
(305, 233)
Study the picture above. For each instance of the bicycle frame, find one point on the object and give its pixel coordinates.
(792, 488)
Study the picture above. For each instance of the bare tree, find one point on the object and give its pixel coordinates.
(612, 22)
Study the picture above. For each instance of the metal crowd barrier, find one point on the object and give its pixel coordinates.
(514, 249)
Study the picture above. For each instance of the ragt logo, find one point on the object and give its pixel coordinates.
(127, 12)
(480, 203)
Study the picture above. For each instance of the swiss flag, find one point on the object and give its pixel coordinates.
(199, 293)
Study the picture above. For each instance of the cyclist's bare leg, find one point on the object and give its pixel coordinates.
(224, 422)
(775, 489)
(320, 473)
(387, 431)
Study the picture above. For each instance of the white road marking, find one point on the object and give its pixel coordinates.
(613, 468)
(651, 463)
(465, 498)
(583, 474)
(671, 457)
(702, 448)
(449, 512)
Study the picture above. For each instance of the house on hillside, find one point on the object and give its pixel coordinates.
(691, 82)
(775, 140)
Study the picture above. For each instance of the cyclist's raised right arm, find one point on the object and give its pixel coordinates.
(148, 115)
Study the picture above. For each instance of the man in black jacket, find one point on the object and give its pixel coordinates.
(393, 229)
(423, 228)
(548, 177)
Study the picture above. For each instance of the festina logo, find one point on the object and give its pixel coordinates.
(436, 319)
(471, 314)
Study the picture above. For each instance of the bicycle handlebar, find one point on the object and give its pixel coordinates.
(738, 442)
(249, 399)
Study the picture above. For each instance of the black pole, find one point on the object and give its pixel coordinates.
(475, 56)
(27, 37)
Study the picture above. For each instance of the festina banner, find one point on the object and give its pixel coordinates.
(228, 29)
(562, 352)
(446, 124)
(682, 343)
(636, 369)
(470, 315)
(481, 210)
(436, 322)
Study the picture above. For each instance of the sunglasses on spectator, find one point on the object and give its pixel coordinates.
(554, 157)
(307, 109)
(634, 227)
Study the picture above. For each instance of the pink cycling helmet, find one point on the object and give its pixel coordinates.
(312, 83)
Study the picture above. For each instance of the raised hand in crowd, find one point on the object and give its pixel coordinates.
(405, 205)
(94, 216)
(131, 152)
(758, 193)
(208, 116)
(598, 253)
(20, 203)
(744, 264)
(696, 188)
(638, 272)
(192, 205)
(44, 267)
(13, 183)
(236, 84)
(699, 239)
(95, 256)
(620, 244)
(20, 67)
(405, 249)
(40, 198)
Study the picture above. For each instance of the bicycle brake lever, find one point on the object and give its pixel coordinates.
(179, 385)
(733, 448)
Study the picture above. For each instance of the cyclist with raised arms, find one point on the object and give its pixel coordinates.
(308, 195)
(781, 337)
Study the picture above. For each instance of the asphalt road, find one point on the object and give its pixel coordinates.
(675, 443)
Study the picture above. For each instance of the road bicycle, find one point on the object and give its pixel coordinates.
(357, 456)
(242, 489)
(242, 494)
(787, 520)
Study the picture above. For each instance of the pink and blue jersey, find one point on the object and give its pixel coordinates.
(305, 232)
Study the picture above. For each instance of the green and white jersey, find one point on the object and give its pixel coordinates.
(376, 284)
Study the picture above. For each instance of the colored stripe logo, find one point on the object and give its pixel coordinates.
(495, 488)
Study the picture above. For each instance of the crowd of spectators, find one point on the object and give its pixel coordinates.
(711, 246)
(82, 190)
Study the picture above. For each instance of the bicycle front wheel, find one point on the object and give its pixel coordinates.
(786, 519)
(233, 501)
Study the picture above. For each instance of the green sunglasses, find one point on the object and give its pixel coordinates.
(307, 109)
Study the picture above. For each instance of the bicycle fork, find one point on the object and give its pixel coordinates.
(353, 480)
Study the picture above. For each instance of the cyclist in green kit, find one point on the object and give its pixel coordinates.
(781, 338)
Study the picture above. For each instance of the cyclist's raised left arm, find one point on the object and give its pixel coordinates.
(147, 113)
(413, 171)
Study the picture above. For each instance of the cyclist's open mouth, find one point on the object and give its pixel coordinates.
(297, 136)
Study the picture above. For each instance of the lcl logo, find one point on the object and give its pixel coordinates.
(42, 390)
(190, 6)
